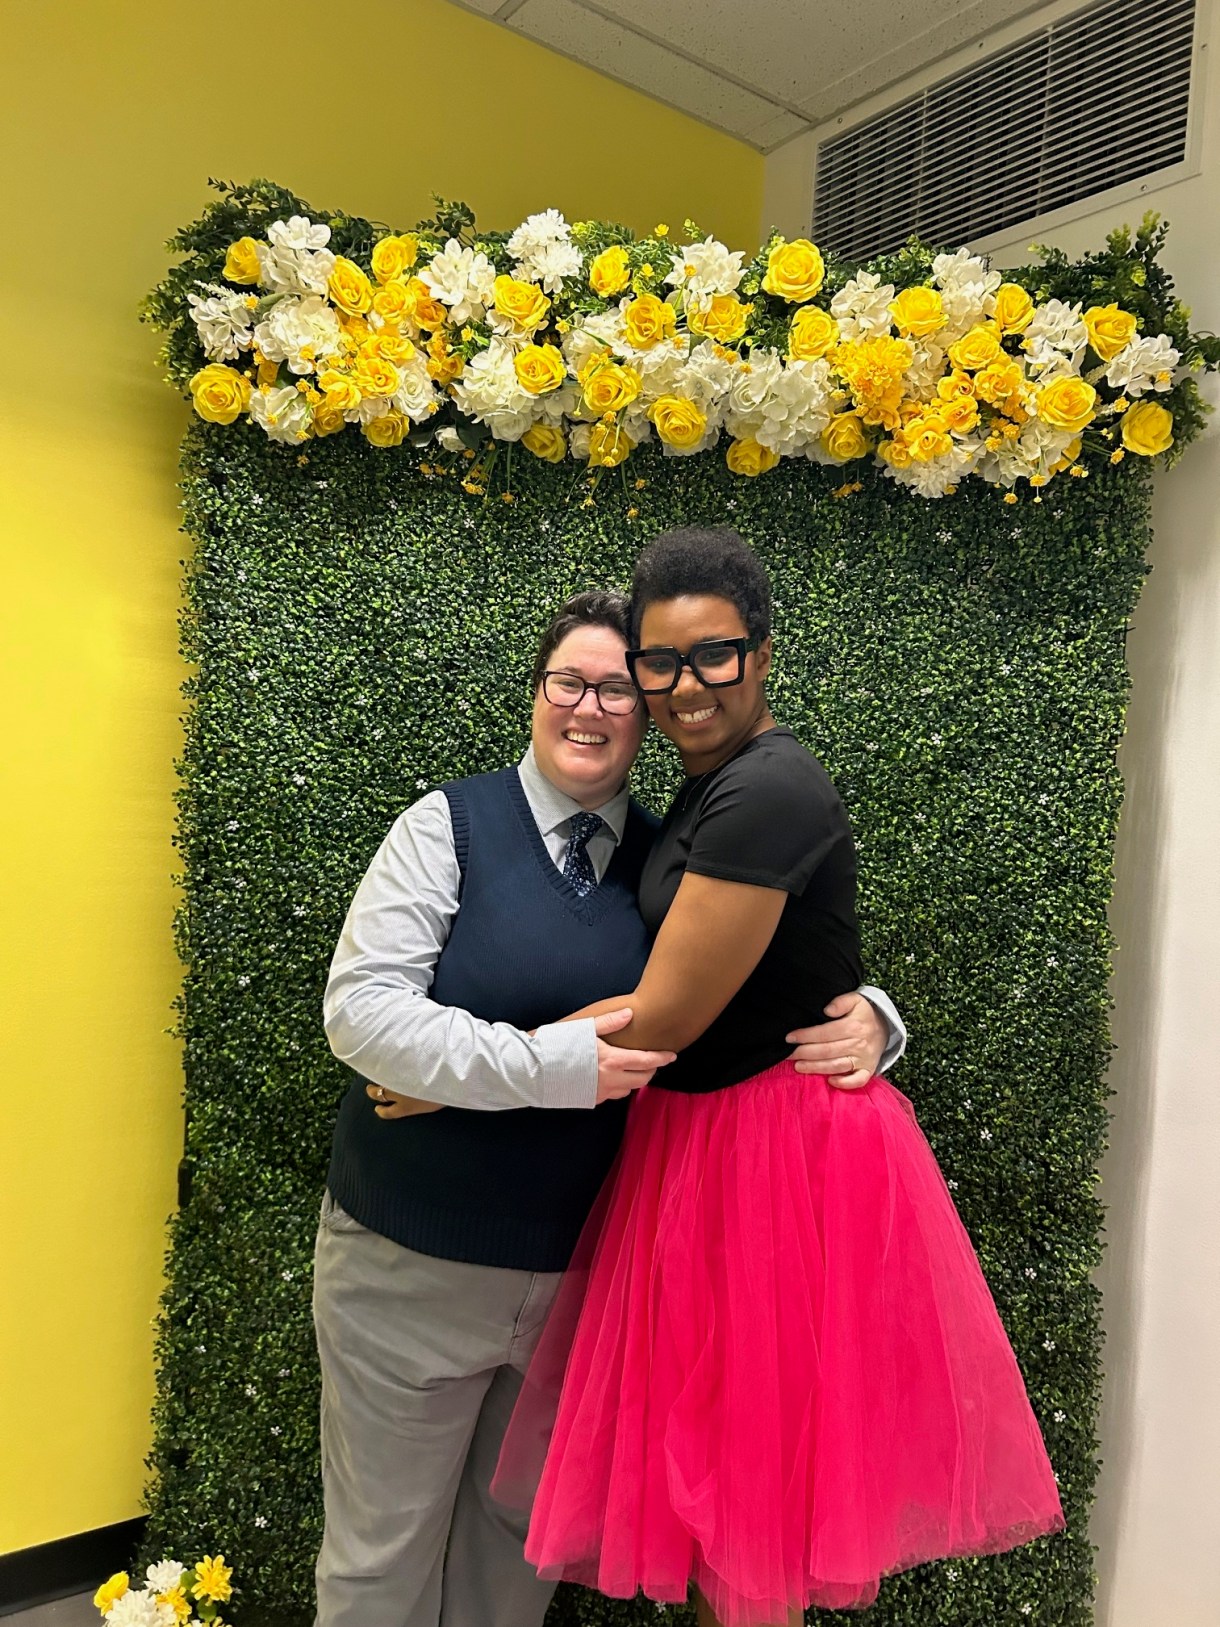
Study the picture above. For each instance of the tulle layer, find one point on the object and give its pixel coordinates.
(775, 1368)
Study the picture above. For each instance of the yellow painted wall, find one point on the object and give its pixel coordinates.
(117, 111)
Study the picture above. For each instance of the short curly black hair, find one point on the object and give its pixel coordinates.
(597, 608)
(695, 559)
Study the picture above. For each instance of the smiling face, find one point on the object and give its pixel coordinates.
(582, 750)
(706, 725)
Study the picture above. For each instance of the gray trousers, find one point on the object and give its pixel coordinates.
(421, 1363)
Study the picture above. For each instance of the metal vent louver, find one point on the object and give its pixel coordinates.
(1088, 103)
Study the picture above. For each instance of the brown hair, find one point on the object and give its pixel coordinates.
(599, 608)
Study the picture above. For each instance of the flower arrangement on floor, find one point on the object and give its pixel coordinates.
(582, 342)
(172, 1594)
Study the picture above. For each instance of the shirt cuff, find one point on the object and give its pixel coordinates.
(569, 1063)
(896, 1041)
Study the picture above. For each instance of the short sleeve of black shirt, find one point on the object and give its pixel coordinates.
(769, 817)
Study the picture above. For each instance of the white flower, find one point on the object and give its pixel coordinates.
(862, 306)
(370, 408)
(284, 413)
(139, 1609)
(578, 442)
(162, 1576)
(1144, 364)
(704, 269)
(294, 271)
(223, 322)
(461, 279)
(967, 291)
(706, 378)
(298, 232)
(934, 479)
(544, 252)
(797, 409)
(1056, 335)
(416, 394)
(926, 367)
(490, 391)
(450, 439)
(301, 332)
(593, 333)
(752, 382)
(1035, 451)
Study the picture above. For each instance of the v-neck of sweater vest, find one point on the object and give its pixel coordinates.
(592, 905)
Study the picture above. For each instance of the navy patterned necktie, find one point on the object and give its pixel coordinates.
(577, 865)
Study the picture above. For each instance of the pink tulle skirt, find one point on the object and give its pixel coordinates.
(775, 1368)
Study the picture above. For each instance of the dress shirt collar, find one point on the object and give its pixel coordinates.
(551, 807)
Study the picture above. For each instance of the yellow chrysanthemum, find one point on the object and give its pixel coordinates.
(873, 371)
(212, 1579)
(177, 1601)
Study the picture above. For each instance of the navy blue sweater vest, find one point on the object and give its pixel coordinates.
(509, 1188)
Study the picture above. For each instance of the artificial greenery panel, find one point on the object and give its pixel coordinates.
(361, 630)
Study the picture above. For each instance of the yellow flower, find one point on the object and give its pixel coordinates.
(608, 446)
(212, 1578)
(747, 457)
(960, 415)
(895, 454)
(1067, 403)
(679, 422)
(724, 319)
(108, 1595)
(376, 377)
(328, 419)
(1014, 308)
(813, 332)
(177, 1601)
(1147, 429)
(545, 441)
(795, 270)
(1011, 497)
(1110, 329)
(918, 312)
(928, 438)
(1070, 453)
(845, 439)
(647, 320)
(521, 302)
(390, 346)
(349, 288)
(660, 230)
(977, 348)
(220, 393)
(388, 430)
(342, 391)
(392, 256)
(873, 371)
(610, 272)
(392, 303)
(999, 382)
(610, 388)
(954, 385)
(241, 261)
(539, 368)
(443, 364)
(425, 311)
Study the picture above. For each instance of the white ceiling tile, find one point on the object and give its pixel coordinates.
(779, 128)
(658, 72)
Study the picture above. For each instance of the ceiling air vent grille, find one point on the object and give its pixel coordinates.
(1089, 103)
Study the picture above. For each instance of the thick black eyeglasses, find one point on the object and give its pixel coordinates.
(716, 662)
(614, 695)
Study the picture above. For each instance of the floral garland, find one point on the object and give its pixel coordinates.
(583, 342)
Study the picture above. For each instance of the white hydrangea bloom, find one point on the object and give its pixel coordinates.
(967, 289)
(140, 1609)
(490, 392)
(1144, 364)
(284, 414)
(927, 366)
(298, 232)
(591, 334)
(544, 252)
(798, 408)
(706, 378)
(165, 1574)
(556, 405)
(294, 271)
(1034, 452)
(1056, 333)
(704, 269)
(223, 321)
(862, 307)
(461, 279)
(416, 394)
(752, 383)
(301, 332)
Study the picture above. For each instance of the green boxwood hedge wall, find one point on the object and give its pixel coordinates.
(361, 630)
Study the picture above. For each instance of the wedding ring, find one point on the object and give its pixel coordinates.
(852, 1065)
(381, 1095)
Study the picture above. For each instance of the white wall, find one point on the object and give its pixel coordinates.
(1157, 1519)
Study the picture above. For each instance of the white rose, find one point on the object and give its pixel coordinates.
(449, 438)
(416, 394)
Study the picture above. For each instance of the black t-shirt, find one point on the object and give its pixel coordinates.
(770, 817)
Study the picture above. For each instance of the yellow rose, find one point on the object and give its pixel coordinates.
(955, 385)
(425, 311)
(1067, 403)
(610, 272)
(813, 332)
(845, 439)
(610, 388)
(545, 441)
(241, 261)
(389, 346)
(376, 377)
(342, 391)
(521, 302)
(918, 312)
(724, 319)
(895, 454)
(388, 430)
(1014, 308)
(648, 320)
(1147, 429)
(608, 446)
(1110, 329)
(444, 365)
(928, 439)
(349, 288)
(539, 368)
(392, 303)
(747, 457)
(220, 394)
(794, 270)
(355, 328)
(392, 256)
(108, 1595)
(960, 415)
(328, 419)
(976, 349)
(1070, 453)
(679, 422)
